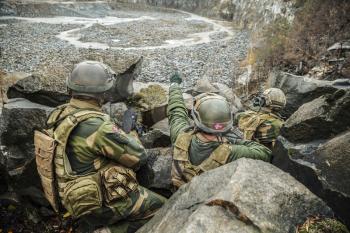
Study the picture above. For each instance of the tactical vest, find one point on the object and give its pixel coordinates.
(80, 194)
(182, 169)
(251, 120)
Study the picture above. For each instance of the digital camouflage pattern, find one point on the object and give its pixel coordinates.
(96, 178)
(261, 126)
(198, 148)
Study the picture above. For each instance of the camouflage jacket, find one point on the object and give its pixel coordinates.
(95, 142)
(263, 126)
(199, 149)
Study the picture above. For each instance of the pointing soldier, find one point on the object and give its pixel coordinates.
(210, 143)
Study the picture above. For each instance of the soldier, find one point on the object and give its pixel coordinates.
(210, 143)
(94, 160)
(263, 125)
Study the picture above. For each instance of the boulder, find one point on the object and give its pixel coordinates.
(52, 92)
(115, 110)
(322, 166)
(155, 175)
(204, 85)
(319, 119)
(157, 136)
(302, 89)
(231, 97)
(242, 196)
(19, 119)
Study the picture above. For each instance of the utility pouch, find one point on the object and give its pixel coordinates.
(44, 154)
(117, 182)
(83, 195)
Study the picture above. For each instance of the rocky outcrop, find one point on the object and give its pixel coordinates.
(319, 119)
(303, 89)
(52, 91)
(155, 174)
(314, 148)
(242, 196)
(204, 85)
(19, 119)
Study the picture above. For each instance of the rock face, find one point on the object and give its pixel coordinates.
(319, 119)
(249, 14)
(314, 149)
(243, 196)
(52, 91)
(19, 119)
(302, 89)
(204, 85)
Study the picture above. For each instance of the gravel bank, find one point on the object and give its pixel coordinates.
(34, 47)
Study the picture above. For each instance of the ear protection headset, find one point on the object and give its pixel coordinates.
(259, 101)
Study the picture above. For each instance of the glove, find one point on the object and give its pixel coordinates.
(175, 78)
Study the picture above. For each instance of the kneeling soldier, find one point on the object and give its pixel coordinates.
(210, 143)
(94, 161)
(263, 124)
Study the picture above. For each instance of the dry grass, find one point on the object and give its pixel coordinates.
(318, 24)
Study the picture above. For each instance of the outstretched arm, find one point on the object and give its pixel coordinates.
(250, 149)
(176, 111)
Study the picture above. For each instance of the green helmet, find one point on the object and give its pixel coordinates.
(274, 98)
(91, 78)
(212, 113)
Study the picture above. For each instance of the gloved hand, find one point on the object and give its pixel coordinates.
(129, 120)
(175, 78)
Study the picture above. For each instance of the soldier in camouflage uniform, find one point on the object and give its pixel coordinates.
(211, 142)
(95, 161)
(264, 123)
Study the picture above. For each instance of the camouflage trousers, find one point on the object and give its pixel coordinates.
(124, 215)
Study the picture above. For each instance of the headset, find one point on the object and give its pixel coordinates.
(259, 101)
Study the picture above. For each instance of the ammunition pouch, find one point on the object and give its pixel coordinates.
(83, 195)
(117, 182)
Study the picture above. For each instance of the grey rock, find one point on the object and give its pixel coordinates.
(242, 196)
(322, 166)
(319, 119)
(229, 94)
(163, 126)
(53, 92)
(115, 110)
(155, 175)
(203, 85)
(155, 138)
(19, 119)
(303, 89)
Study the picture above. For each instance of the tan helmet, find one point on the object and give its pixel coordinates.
(212, 113)
(274, 98)
(91, 78)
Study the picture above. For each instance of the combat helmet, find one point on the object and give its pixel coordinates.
(91, 78)
(212, 113)
(274, 98)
